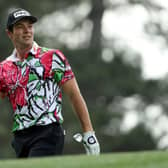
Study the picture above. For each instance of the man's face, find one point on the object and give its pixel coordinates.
(22, 34)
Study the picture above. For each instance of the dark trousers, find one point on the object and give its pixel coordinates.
(38, 141)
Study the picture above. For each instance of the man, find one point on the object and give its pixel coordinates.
(33, 77)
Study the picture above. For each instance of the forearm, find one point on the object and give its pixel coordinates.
(81, 110)
(78, 103)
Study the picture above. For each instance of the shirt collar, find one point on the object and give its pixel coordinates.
(32, 51)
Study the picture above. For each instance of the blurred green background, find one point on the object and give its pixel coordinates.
(128, 108)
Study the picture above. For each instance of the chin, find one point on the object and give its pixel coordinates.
(29, 42)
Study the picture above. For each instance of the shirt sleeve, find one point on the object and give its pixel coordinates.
(61, 68)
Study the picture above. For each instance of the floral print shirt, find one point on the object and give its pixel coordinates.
(34, 86)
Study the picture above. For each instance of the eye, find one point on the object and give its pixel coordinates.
(18, 26)
(30, 26)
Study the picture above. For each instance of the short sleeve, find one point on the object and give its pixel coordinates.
(61, 68)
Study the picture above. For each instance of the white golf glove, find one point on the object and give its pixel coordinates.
(89, 141)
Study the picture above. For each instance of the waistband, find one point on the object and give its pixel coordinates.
(35, 128)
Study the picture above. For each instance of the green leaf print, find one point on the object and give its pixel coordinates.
(32, 77)
(58, 75)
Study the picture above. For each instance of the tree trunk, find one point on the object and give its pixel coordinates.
(96, 15)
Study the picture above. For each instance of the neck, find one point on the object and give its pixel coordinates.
(21, 52)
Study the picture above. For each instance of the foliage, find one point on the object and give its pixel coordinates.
(130, 142)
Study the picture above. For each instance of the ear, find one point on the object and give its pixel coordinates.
(9, 33)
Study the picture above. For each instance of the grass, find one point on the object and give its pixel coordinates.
(153, 159)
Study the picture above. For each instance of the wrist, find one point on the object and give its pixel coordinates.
(88, 133)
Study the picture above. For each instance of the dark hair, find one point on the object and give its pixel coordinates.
(10, 28)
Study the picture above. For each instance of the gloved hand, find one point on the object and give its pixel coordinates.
(91, 143)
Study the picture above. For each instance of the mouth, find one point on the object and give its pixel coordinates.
(26, 37)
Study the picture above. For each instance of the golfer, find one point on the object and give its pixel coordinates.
(33, 77)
